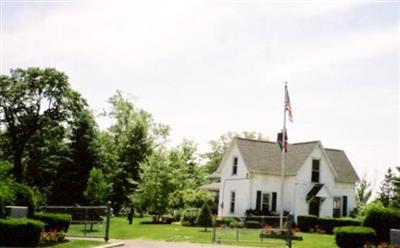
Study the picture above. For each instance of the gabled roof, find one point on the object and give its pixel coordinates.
(265, 157)
(343, 167)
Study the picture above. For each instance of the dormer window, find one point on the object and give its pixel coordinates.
(234, 166)
(315, 171)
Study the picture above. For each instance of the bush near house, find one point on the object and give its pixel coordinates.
(20, 232)
(354, 236)
(382, 220)
(205, 217)
(225, 221)
(307, 223)
(189, 217)
(328, 224)
(58, 222)
(252, 224)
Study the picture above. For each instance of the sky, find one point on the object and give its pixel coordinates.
(209, 67)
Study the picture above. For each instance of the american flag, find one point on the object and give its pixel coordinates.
(288, 106)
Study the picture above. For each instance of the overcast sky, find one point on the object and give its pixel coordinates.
(208, 67)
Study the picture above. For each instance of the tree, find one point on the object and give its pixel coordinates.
(134, 135)
(387, 188)
(29, 100)
(82, 154)
(6, 182)
(97, 189)
(396, 183)
(205, 217)
(221, 145)
(155, 184)
(363, 194)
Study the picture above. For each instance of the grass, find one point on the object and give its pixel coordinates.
(120, 229)
(79, 244)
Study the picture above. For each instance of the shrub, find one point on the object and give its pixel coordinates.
(382, 220)
(20, 232)
(354, 236)
(328, 224)
(236, 224)
(24, 197)
(189, 217)
(50, 238)
(58, 222)
(205, 217)
(225, 221)
(252, 224)
(307, 222)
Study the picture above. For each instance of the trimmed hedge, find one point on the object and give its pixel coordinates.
(328, 224)
(354, 236)
(307, 222)
(20, 232)
(382, 220)
(252, 224)
(58, 222)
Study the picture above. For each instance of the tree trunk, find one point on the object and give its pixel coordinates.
(17, 169)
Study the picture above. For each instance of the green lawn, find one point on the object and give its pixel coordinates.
(79, 244)
(120, 229)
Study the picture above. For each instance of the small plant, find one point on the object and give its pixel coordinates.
(51, 237)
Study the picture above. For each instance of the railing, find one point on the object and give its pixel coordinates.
(87, 221)
(257, 229)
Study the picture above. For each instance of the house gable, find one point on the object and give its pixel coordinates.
(227, 164)
(327, 173)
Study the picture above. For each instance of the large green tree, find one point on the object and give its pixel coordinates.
(221, 144)
(134, 135)
(81, 155)
(155, 184)
(30, 100)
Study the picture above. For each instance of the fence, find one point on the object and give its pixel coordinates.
(87, 221)
(257, 229)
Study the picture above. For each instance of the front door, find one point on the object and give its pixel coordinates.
(313, 207)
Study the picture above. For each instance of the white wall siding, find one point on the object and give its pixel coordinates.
(246, 184)
(240, 183)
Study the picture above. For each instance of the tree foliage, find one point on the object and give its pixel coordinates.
(30, 100)
(363, 194)
(220, 145)
(133, 135)
(80, 156)
(97, 189)
(387, 190)
(205, 217)
(155, 184)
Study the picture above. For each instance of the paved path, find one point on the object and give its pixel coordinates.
(159, 244)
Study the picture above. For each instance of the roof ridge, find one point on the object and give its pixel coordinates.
(255, 140)
(333, 149)
(306, 142)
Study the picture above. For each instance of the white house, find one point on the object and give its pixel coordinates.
(318, 180)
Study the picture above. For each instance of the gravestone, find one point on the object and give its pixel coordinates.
(17, 211)
(395, 236)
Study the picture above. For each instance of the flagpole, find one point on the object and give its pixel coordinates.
(283, 157)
